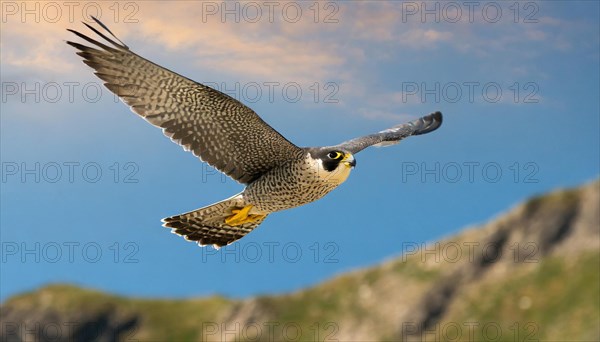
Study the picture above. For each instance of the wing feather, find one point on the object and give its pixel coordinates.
(393, 135)
(214, 126)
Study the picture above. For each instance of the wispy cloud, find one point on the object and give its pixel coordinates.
(339, 41)
(249, 49)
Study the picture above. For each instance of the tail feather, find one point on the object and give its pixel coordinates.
(207, 225)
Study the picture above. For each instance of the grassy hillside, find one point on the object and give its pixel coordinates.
(555, 300)
(533, 275)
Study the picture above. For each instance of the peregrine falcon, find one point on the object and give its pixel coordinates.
(231, 137)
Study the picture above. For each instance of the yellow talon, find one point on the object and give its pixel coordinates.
(240, 216)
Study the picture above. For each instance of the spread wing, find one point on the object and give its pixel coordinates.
(393, 135)
(213, 126)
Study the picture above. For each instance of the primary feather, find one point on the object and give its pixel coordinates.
(217, 128)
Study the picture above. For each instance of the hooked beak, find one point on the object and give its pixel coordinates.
(349, 160)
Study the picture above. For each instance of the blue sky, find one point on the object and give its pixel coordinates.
(85, 182)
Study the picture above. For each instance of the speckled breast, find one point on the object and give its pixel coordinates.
(293, 184)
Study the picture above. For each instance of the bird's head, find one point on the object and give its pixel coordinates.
(332, 163)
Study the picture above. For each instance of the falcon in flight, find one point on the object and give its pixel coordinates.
(231, 137)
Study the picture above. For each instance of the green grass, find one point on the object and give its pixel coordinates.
(161, 320)
(558, 301)
(412, 268)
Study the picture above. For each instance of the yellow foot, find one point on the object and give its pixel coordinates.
(240, 216)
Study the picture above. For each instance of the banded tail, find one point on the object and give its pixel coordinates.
(218, 224)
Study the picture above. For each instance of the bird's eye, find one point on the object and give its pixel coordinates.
(335, 155)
